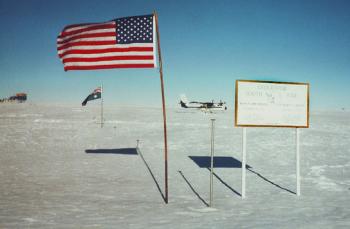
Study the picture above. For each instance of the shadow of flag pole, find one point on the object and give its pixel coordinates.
(163, 105)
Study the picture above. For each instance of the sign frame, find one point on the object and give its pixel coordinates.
(277, 125)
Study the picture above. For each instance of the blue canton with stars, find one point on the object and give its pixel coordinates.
(137, 29)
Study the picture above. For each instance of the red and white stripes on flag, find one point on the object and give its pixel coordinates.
(104, 45)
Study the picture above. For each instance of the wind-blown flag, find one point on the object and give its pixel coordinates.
(96, 94)
(127, 42)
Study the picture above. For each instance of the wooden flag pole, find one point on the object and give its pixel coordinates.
(164, 113)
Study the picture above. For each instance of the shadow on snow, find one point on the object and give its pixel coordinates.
(193, 190)
(152, 175)
(128, 151)
(267, 180)
(124, 151)
(229, 162)
(218, 162)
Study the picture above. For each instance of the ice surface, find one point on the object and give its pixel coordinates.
(59, 169)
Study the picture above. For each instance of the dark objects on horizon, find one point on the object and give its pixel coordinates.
(19, 98)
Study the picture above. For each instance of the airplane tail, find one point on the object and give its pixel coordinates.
(183, 98)
(183, 101)
(183, 104)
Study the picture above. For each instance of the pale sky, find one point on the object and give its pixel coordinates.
(206, 46)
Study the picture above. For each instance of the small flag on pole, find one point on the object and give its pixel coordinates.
(96, 94)
(127, 42)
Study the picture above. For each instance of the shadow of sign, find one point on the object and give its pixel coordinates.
(123, 151)
(229, 162)
(218, 162)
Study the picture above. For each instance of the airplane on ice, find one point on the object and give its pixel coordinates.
(203, 106)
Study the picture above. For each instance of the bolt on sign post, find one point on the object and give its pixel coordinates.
(271, 104)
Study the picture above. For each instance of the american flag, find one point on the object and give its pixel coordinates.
(127, 42)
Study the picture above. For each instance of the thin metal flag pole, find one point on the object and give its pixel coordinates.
(211, 162)
(101, 106)
(163, 105)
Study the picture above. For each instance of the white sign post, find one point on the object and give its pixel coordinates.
(297, 159)
(271, 104)
(244, 153)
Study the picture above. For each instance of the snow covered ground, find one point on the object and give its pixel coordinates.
(59, 169)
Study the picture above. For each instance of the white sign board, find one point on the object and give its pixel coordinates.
(271, 104)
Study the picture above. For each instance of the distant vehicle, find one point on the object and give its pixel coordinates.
(203, 106)
(19, 97)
